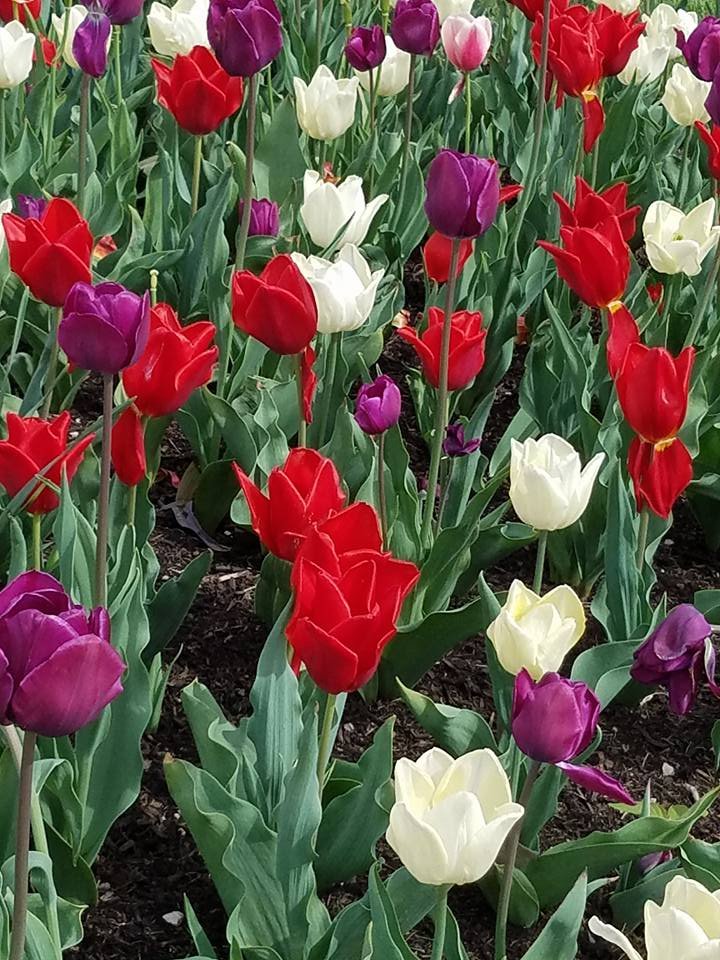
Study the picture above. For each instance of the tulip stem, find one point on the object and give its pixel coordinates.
(302, 424)
(131, 505)
(298, 16)
(248, 187)
(684, 167)
(441, 408)
(540, 561)
(104, 495)
(468, 112)
(22, 848)
(642, 538)
(371, 96)
(324, 744)
(37, 541)
(82, 141)
(318, 32)
(333, 351)
(51, 376)
(701, 310)
(382, 499)
(440, 924)
(117, 48)
(153, 287)
(407, 136)
(197, 167)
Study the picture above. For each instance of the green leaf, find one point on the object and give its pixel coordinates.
(274, 179)
(171, 603)
(558, 940)
(386, 936)
(606, 668)
(456, 730)
(702, 862)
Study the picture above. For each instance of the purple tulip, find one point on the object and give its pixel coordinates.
(676, 655)
(366, 48)
(415, 26)
(121, 12)
(554, 721)
(652, 860)
(455, 444)
(31, 208)
(712, 102)
(463, 193)
(90, 43)
(58, 669)
(104, 328)
(702, 48)
(377, 406)
(264, 218)
(246, 35)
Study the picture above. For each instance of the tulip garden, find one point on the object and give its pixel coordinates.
(359, 480)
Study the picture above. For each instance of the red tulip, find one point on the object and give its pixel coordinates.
(197, 91)
(653, 388)
(128, 447)
(305, 491)
(531, 8)
(467, 347)
(33, 443)
(656, 292)
(660, 473)
(591, 209)
(510, 191)
(711, 139)
(277, 308)
(436, 256)
(7, 10)
(51, 253)
(309, 382)
(348, 597)
(594, 262)
(176, 360)
(618, 36)
(622, 332)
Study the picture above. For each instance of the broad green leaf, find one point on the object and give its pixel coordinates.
(454, 729)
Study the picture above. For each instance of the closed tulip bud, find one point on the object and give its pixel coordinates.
(264, 218)
(393, 75)
(653, 388)
(462, 194)
(326, 106)
(686, 924)
(660, 474)
(246, 35)
(176, 30)
(104, 328)
(455, 444)
(91, 43)
(121, 12)
(684, 97)
(451, 817)
(128, 447)
(415, 26)
(377, 407)
(58, 669)
(333, 211)
(197, 91)
(467, 347)
(466, 41)
(365, 48)
(76, 15)
(345, 288)
(676, 242)
(16, 55)
(437, 255)
(536, 633)
(549, 488)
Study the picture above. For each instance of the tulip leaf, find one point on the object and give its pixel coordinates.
(524, 906)
(702, 862)
(385, 935)
(606, 668)
(275, 179)
(628, 905)
(171, 603)
(558, 939)
(456, 730)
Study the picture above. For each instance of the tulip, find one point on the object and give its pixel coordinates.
(8, 10)
(91, 43)
(529, 8)
(591, 209)
(176, 360)
(554, 721)
(76, 15)
(344, 288)
(462, 194)
(660, 474)
(684, 97)
(337, 211)
(653, 389)
(52, 253)
(246, 35)
(32, 444)
(121, 12)
(305, 491)
(377, 406)
(701, 49)
(622, 6)
(618, 35)
(365, 48)
(16, 55)
(415, 26)
(393, 75)
(128, 447)
(467, 347)
(437, 256)
(549, 488)
(466, 41)
(711, 139)
(28, 207)
(452, 8)
(104, 328)
(176, 30)
(658, 44)
(686, 924)
(325, 107)
(536, 633)
(264, 218)
(676, 242)
(277, 308)
(622, 332)
(451, 817)
(197, 91)
(455, 444)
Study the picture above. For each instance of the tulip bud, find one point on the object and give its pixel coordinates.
(462, 194)
(684, 97)
(246, 35)
(377, 407)
(437, 254)
(30, 207)
(701, 49)
(121, 12)
(451, 817)
(264, 218)
(16, 55)
(365, 48)
(176, 30)
(555, 719)
(337, 211)
(91, 43)
(415, 26)
(536, 633)
(345, 288)
(676, 242)
(76, 15)
(455, 444)
(466, 41)
(393, 75)
(326, 106)
(197, 91)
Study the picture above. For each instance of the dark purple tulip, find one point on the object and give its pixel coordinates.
(31, 207)
(246, 35)
(90, 43)
(58, 669)
(712, 103)
(463, 193)
(652, 860)
(676, 656)
(455, 444)
(264, 218)
(702, 48)
(415, 26)
(104, 328)
(121, 12)
(377, 407)
(366, 48)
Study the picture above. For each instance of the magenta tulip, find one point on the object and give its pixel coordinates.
(462, 194)
(377, 407)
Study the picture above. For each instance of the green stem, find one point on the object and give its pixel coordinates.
(298, 16)
(704, 303)
(540, 561)
(50, 119)
(104, 495)
(22, 849)
(382, 499)
(444, 492)
(249, 161)
(117, 49)
(407, 135)
(55, 319)
(333, 347)
(441, 409)
(197, 167)
(3, 127)
(642, 538)
(153, 287)
(371, 95)
(37, 541)
(468, 112)
(131, 505)
(302, 425)
(683, 179)
(318, 32)
(82, 141)
(324, 745)
(440, 924)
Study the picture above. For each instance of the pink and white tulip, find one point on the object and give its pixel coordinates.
(466, 40)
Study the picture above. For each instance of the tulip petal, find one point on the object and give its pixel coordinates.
(612, 935)
(590, 778)
(418, 846)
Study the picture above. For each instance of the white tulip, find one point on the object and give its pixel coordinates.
(451, 817)
(326, 107)
(344, 289)
(76, 15)
(686, 926)
(176, 30)
(328, 207)
(676, 242)
(622, 6)
(685, 96)
(16, 54)
(549, 489)
(5, 207)
(536, 633)
(394, 72)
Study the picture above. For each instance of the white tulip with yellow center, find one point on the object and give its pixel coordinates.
(676, 242)
(451, 817)
(536, 633)
(326, 106)
(328, 207)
